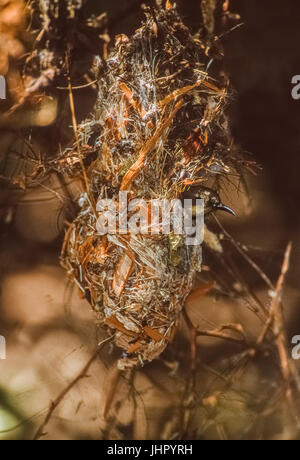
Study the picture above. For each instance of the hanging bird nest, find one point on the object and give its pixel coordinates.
(158, 128)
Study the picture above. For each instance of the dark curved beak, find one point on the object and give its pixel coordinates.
(222, 207)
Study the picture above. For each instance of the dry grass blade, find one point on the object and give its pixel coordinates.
(150, 145)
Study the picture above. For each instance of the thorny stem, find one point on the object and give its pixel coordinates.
(83, 374)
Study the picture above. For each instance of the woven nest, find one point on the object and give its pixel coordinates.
(158, 126)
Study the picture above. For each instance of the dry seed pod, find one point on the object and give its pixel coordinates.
(159, 125)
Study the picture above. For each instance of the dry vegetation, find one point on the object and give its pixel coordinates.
(177, 342)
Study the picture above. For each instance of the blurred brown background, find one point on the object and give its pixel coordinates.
(50, 331)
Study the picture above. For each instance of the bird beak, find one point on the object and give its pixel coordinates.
(222, 207)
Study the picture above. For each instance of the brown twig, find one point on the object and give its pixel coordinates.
(288, 369)
(218, 334)
(113, 385)
(75, 129)
(255, 267)
(276, 312)
(53, 406)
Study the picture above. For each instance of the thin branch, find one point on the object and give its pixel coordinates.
(251, 262)
(83, 374)
(75, 129)
(276, 312)
(220, 335)
(112, 390)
